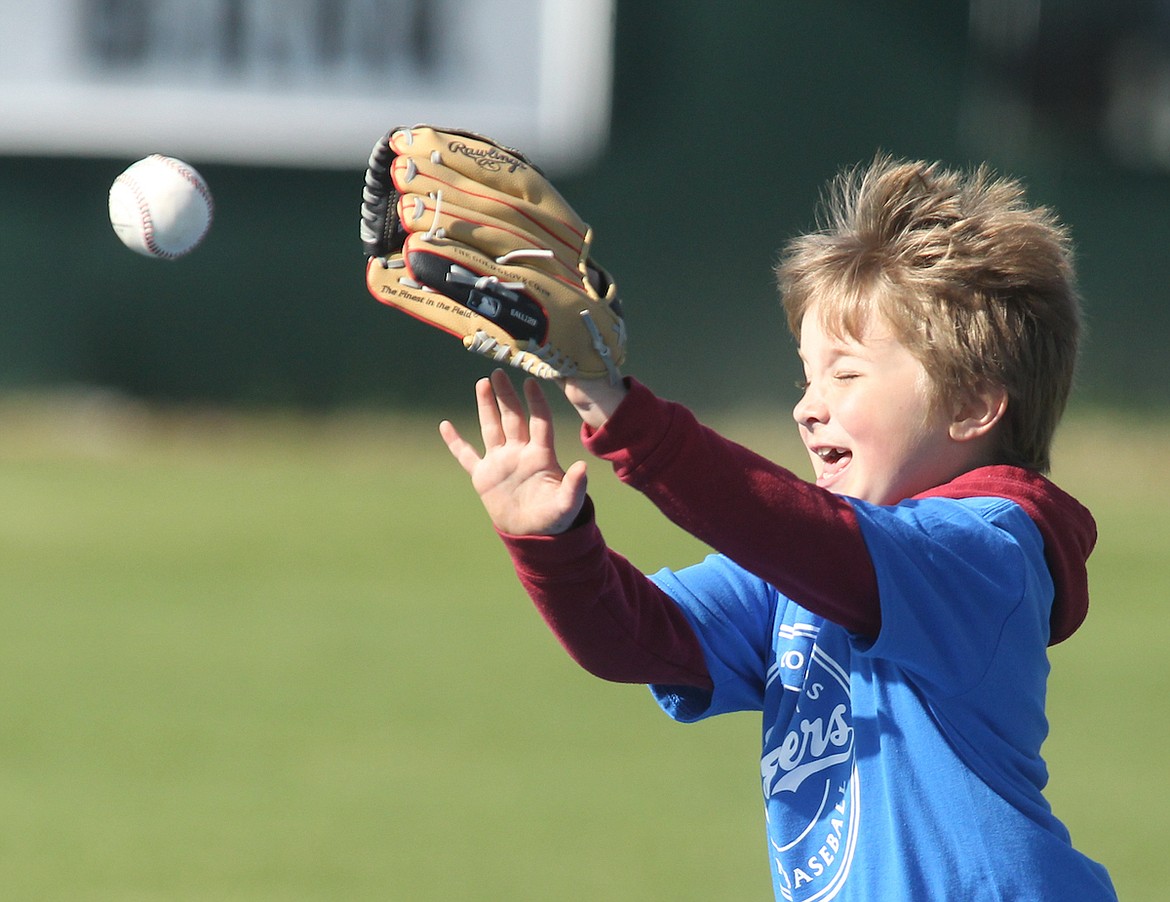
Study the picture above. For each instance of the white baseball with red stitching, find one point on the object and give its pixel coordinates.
(161, 207)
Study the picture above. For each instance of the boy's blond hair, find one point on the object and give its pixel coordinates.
(978, 285)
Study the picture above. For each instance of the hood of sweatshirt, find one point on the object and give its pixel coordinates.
(1068, 529)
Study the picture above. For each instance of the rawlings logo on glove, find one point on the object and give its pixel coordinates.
(470, 237)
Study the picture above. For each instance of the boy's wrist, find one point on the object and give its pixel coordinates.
(595, 400)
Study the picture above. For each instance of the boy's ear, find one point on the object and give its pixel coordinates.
(979, 412)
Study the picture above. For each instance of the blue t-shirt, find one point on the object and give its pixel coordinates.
(906, 767)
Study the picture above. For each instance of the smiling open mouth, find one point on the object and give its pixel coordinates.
(835, 460)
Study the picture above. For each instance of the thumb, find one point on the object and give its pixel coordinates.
(573, 486)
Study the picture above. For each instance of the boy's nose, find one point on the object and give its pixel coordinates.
(810, 409)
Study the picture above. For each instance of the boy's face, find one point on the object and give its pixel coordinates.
(868, 417)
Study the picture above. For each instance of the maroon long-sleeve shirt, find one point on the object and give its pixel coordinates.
(804, 540)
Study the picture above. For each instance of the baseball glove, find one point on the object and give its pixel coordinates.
(470, 237)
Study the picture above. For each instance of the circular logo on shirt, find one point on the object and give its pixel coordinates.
(808, 770)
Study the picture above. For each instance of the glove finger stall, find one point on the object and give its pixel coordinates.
(552, 226)
(480, 160)
(432, 219)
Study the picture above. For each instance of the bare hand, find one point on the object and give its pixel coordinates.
(518, 478)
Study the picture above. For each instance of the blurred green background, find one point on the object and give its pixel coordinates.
(724, 130)
(256, 638)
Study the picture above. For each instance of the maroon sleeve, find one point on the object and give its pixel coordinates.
(609, 617)
(802, 539)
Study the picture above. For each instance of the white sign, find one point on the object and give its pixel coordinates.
(301, 82)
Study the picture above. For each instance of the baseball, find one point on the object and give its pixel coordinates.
(160, 207)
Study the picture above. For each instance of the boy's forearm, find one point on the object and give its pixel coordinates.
(608, 616)
(799, 538)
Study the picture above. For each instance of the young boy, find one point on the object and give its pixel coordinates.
(890, 620)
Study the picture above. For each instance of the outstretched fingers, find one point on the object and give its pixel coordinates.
(540, 425)
(517, 475)
(461, 449)
(502, 419)
(512, 418)
(488, 411)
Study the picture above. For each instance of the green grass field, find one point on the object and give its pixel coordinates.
(281, 658)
